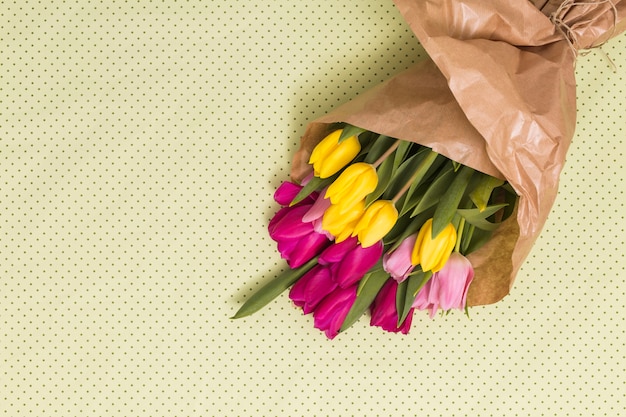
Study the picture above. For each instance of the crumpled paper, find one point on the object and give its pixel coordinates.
(497, 93)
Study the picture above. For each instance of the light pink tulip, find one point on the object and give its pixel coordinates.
(398, 263)
(447, 289)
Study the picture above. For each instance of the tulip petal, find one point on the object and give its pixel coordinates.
(306, 249)
(332, 311)
(316, 211)
(290, 225)
(311, 289)
(286, 192)
(385, 313)
(337, 252)
(399, 262)
(357, 263)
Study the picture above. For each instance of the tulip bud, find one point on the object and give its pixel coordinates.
(431, 253)
(398, 263)
(340, 222)
(348, 261)
(331, 312)
(384, 310)
(378, 219)
(329, 156)
(353, 185)
(447, 289)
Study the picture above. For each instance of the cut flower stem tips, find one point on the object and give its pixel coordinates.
(375, 228)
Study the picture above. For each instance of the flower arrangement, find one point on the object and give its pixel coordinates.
(380, 224)
(428, 191)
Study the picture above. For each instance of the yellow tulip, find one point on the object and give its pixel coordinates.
(376, 222)
(431, 253)
(340, 221)
(353, 185)
(329, 156)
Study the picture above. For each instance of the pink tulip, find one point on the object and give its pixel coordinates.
(349, 261)
(312, 288)
(384, 312)
(298, 242)
(398, 263)
(447, 289)
(316, 214)
(287, 191)
(329, 315)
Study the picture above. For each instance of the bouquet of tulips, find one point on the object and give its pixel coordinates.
(444, 217)
(380, 224)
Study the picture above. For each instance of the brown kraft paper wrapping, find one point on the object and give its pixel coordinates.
(497, 93)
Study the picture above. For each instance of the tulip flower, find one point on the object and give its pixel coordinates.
(298, 242)
(312, 288)
(340, 222)
(447, 288)
(316, 214)
(330, 156)
(376, 222)
(287, 191)
(385, 313)
(398, 263)
(348, 261)
(329, 314)
(432, 253)
(353, 185)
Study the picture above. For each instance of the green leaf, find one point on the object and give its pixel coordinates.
(404, 173)
(449, 201)
(479, 218)
(425, 165)
(273, 289)
(466, 237)
(437, 188)
(477, 239)
(385, 173)
(405, 227)
(314, 184)
(407, 292)
(481, 194)
(401, 292)
(403, 149)
(378, 148)
(349, 131)
(365, 296)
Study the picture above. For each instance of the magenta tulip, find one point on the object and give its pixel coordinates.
(312, 288)
(447, 289)
(349, 261)
(287, 191)
(398, 263)
(298, 242)
(329, 315)
(384, 311)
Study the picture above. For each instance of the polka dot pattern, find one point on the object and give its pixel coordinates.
(140, 145)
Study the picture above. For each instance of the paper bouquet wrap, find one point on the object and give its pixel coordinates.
(428, 191)
(497, 94)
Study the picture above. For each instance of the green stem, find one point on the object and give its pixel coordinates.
(388, 152)
(417, 172)
(459, 235)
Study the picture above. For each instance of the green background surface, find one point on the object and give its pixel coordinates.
(140, 145)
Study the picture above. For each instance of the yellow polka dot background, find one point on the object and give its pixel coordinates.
(140, 145)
